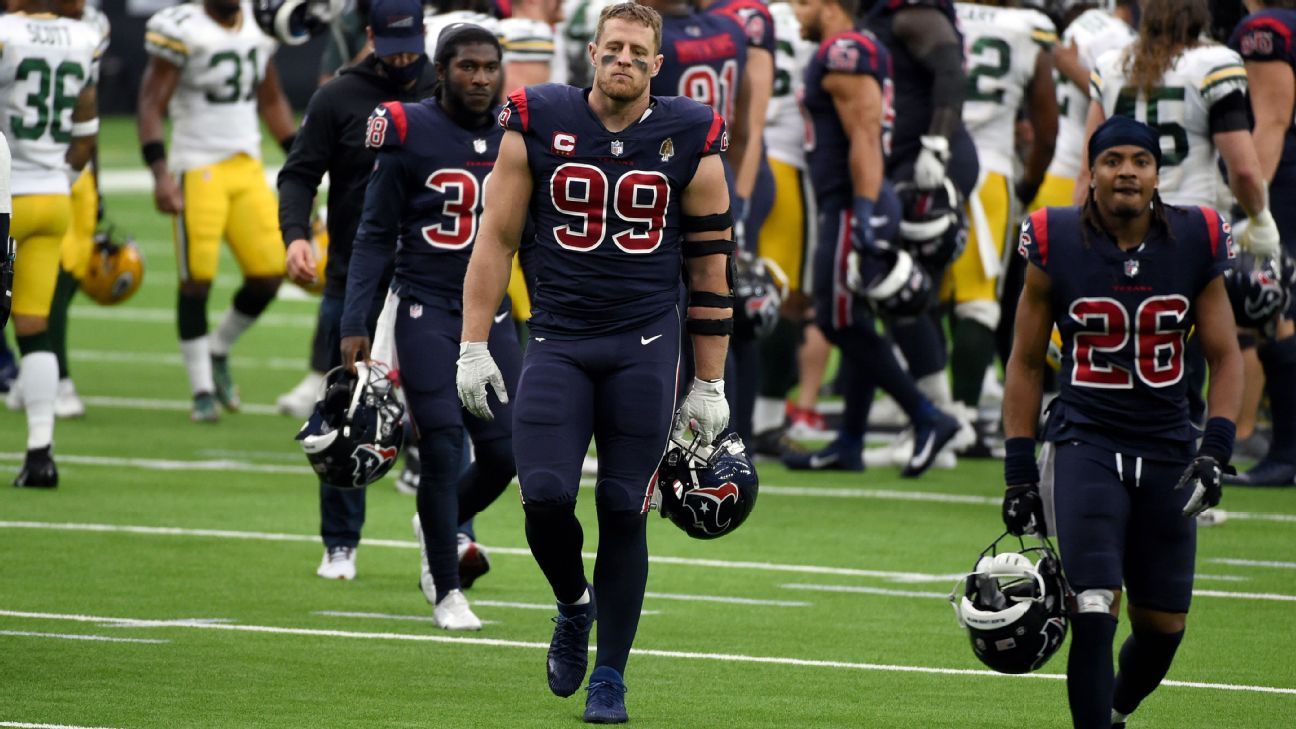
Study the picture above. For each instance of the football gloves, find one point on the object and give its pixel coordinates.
(705, 411)
(1204, 476)
(477, 370)
(1023, 511)
(1261, 236)
(929, 169)
(862, 236)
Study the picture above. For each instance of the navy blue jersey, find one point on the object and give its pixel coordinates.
(913, 82)
(1124, 317)
(703, 59)
(606, 206)
(827, 146)
(423, 202)
(1270, 35)
(753, 17)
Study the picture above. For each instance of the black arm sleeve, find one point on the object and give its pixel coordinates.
(931, 39)
(300, 176)
(375, 241)
(1229, 114)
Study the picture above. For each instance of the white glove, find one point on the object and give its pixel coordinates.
(854, 282)
(929, 169)
(1261, 237)
(476, 370)
(705, 411)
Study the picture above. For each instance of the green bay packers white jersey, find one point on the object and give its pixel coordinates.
(1093, 33)
(526, 40)
(1179, 108)
(98, 21)
(785, 122)
(1002, 45)
(45, 63)
(214, 108)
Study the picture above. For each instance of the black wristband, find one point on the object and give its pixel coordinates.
(1019, 461)
(1217, 441)
(153, 151)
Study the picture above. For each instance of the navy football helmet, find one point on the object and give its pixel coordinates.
(1014, 606)
(892, 281)
(293, 22)
(707, 493)
(932, 223)
(1259, 293)
(759, 287)
(354, 435)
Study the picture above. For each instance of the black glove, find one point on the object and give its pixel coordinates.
(1203, 475)
(1023, 510)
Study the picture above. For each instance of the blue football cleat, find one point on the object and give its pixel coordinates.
(569, 648)
(843, 454)
(929, 439)
(605, 702)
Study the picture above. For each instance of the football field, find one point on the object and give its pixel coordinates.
(170, 580)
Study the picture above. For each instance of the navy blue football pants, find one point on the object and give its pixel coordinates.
(1118, 520)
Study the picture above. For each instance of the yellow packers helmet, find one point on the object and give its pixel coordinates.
(319, 247)
(116, 269)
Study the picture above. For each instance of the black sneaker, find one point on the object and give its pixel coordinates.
(775, 443)
(929, 439)
(38, 471)
(569, 648)
(1265, 473)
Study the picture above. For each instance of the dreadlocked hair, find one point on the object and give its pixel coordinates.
(1168, 27)
(1091, 220)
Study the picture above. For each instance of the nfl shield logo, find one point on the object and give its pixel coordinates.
(416, 311)
(617, 147)
(479, 146)
(1132, 267)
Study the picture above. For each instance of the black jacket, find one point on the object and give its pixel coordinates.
(331, 139)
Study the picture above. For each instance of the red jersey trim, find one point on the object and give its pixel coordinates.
(1039, 225)
(1212, 228)
(519, 99)
(717, 122)
(397, 111)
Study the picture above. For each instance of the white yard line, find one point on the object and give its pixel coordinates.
(28, 725)
(173, 359)
(79, 636)
(156, 464)
(658, 653)
(725, 600)
(1263, 596)
(154, 315)
(1252, 563)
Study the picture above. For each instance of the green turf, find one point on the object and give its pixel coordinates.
(382, 672)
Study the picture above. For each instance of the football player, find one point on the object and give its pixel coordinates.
(528, 40)
(210, 71)
(332, 140)
(845, 98)
(1265, 41)
(426, 192)
(1124, 277)
(47, 91)
(628, 195)
(1009, 68)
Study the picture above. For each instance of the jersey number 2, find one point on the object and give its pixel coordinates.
(1158, 352)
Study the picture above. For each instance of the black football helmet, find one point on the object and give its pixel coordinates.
(932, 224)
(293, 22)
(1259, 293)
(760, 287)
(707, 494)
(6, 279)
(1014, 606)
(893, 282)
(354, 435)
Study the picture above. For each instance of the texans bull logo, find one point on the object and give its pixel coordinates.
(371, 462)
(1054, 631)
(706, 504)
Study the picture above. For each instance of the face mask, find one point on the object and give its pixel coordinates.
(403, 75)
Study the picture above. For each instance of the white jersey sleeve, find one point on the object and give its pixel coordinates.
(1179, 108)
(214, 108)
(1093, 33)
(45, 64)
(98, 22)
(1002, 45)
(527, 40)
(436, 23)
(784, 122)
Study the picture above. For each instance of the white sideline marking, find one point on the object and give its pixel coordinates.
(720, 657)
(173, 359)
(887, 494)
(1266, 596)
(1253, 563)
(1221, 578)
(26, 725)
(79, 636)
(865, 590)
(727, 600)
(389, 616)
(147, 315)
(155, 464)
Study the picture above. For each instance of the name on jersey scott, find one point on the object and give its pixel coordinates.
(49, 35)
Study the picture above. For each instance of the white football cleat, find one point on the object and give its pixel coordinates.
(339, 563)
(453, 613)
(67, 403)
(425, 575)
(300, 401)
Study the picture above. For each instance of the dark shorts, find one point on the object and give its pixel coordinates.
(1119, 521)
(427, 348)
(618, 389)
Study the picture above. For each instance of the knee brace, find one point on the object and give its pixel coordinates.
(1095, 601)
(983, 312)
